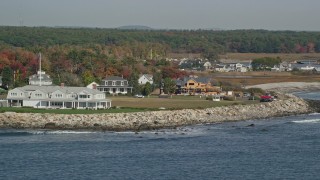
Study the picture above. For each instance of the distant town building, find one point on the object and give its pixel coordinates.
(207, 65)
(40, 77)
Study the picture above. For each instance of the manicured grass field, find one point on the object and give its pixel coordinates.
(174, 102)
(70, 111)
(123, 104)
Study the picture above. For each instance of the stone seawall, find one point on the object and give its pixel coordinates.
(155, 119)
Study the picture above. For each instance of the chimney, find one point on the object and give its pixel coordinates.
(62, 85)
(94, 86)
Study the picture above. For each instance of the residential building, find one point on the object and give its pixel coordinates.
(220, 68)
(115, 85)
(144, 78)
(93, 85)
(57, 97)
(207, 65)
(40, 78)
(316, 70)
(193, 86)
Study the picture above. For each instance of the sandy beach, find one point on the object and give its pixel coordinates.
(289, 87)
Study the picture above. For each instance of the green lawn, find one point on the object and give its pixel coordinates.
(123, 104)
(176, 102)
(70, 111)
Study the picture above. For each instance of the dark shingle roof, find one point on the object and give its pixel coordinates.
(113, 78)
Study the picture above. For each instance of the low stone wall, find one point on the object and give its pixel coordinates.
(155, 119)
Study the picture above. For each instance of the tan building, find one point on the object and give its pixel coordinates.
(194, 86)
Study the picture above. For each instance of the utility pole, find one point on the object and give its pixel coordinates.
(40, 69)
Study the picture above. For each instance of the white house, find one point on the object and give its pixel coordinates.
(207, 65)
(220, 68)
(114, 85)
(57, 97)
(145, 78)
(40, 78)
(93, 85)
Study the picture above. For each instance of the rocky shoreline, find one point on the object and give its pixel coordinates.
(155, 119)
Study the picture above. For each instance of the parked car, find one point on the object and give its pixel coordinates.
(139, 96)
(246, 94)
(266, 98)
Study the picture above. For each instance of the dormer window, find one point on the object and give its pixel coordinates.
(58, 95)
(122, 83)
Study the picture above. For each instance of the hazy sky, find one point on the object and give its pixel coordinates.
(165, 14)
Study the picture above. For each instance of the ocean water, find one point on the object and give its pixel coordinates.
(277, 148)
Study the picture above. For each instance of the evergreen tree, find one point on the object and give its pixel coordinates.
(133, 81)
(7, 77)
(147, 89)
(169, 86)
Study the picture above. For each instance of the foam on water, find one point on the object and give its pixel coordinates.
(307, 121)
(40, 132)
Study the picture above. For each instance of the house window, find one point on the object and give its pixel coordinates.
(38, 95)
(58, 95)
(121, 89)
(82, 96)
(122, 83)
(113, 83)
(191, 84)
(14, 94)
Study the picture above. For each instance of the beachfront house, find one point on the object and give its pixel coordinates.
(115, 85)
(195, 85)
(40, 78)
(144, 78)
(61, 97)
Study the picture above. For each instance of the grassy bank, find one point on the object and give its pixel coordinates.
(70, 111)
(125, 104)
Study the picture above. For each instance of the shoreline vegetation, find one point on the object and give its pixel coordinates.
(150, 120)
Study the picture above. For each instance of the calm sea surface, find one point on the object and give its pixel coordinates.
(278, 148)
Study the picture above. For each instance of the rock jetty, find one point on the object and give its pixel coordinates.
(155, 119)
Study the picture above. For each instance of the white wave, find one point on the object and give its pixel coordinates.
(314, 114)
(60, 132)
(308, 121)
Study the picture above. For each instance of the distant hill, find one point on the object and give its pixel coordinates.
(135, 27)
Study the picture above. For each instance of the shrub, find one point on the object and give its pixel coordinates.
(229, 98)
(256, 91)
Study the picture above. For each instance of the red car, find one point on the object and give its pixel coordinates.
(266, 98)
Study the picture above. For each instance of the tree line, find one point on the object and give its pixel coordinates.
(148, 43)
(78, 56)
